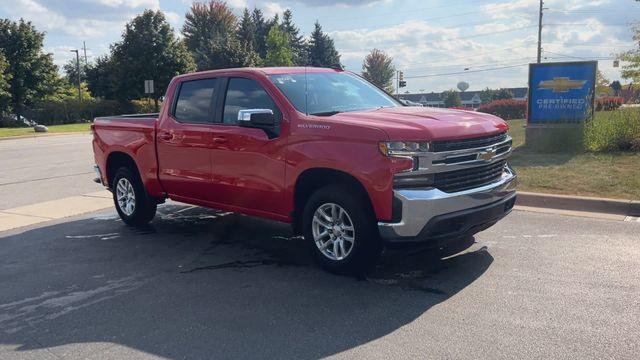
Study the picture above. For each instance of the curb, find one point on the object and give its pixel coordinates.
(579, 203)
(37, 135)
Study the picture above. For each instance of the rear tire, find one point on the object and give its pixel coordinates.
(341, 229)
(132, 203)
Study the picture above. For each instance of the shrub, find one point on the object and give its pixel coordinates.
(506, 108)
(608, 103)
(144, 106)
(73, 111)
(617, 130)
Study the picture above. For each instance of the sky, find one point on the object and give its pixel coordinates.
(437, 44)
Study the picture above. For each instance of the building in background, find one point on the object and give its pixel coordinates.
(470, 99)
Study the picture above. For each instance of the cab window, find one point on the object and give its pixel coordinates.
(195, 101)
(246, 94)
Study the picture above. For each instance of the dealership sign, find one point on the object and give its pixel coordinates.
(561, 92)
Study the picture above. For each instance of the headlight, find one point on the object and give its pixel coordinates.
(403, 148)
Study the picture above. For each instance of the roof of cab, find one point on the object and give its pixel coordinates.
(264, 70)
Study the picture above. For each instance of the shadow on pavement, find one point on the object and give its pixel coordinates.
(204, 284)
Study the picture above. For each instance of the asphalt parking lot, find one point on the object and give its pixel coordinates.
(199, 284)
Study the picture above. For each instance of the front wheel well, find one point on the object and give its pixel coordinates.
(311, 180)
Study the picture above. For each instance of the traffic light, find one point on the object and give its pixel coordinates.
(401, 82)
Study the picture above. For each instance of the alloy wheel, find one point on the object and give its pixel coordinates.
(126, 196)
(333, 231)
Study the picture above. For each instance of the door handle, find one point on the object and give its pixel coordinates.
(219, 139)
(166, 136)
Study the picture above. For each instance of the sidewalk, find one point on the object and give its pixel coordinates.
(54, 209)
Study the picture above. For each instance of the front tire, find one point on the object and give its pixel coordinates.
(340, 228)
(130, 198)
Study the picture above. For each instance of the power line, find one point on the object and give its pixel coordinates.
(470, 55)
(599, 23)
(579, 57)
(608, 11)
(469, 65)
(468, 36)
(465, 72)
(610, 45)
(414, 10)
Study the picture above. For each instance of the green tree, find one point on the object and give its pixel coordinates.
(101, 79)
(225, 53)
(261, 30)
(322, 51)
(5, 79)
(378, 68)
(451, 98)
(298, 45)
(502, 93)
(616, 87)
(70, 69)
(210, 32)
(602, 83)
(69, 91)
(247, 29)
(631, 70)
(487, 95)
(33, 74)
(278, 49)
(149, 50)
(206, 22)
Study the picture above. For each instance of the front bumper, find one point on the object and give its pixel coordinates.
(431, 215)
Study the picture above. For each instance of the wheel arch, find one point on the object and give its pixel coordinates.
(116, 160)
(312, 179)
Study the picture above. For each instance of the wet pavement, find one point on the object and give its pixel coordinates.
(201, 284)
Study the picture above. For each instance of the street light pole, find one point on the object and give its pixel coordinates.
(78, 70)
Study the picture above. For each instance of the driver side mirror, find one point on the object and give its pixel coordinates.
(260, 118)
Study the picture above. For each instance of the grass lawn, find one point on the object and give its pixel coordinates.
(614, 175)
(6, 132)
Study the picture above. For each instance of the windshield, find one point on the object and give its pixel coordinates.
(330, 93)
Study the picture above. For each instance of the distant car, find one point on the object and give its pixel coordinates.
(406, 102)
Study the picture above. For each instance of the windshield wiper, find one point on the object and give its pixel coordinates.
(326, 113)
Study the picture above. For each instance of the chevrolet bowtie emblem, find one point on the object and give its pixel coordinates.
(487, 155)
(561, 84)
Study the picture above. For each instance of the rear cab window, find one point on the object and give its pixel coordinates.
(194, 103)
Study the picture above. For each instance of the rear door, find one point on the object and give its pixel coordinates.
(184, 140)
(248, 163)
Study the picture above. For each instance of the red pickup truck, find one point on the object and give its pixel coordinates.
(351, 168)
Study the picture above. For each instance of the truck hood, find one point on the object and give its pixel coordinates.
(423, 123)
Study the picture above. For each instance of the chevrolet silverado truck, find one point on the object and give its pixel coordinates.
(351, 168)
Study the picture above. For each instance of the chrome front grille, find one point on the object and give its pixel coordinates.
(473, 163)
(450, 145)
(459, 180)
(496, 148)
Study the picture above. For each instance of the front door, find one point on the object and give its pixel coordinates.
(184, 141)
(248, 163)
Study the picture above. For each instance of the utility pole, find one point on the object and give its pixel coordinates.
(84, 48)
(397, 83)
(540, 31)
(78, 70)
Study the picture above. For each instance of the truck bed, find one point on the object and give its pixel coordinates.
(133, 135)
